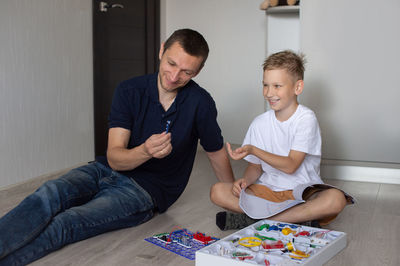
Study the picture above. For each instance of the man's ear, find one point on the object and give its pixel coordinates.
(299, 87)
(161, 51)
(198, 71)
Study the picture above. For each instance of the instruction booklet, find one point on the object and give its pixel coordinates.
(259, 208)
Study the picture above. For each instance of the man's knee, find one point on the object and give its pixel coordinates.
(49, 188)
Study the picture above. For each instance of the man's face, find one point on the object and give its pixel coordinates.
(176, 68)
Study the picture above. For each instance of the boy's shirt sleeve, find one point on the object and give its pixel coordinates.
(307, 135)
(253, 138)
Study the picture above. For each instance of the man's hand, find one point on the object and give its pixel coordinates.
(120, 158)
(239, 153)
(158, 145)
(238, 185)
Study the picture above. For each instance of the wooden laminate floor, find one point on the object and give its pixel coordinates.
(372, 225)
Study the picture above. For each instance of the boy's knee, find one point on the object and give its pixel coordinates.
(336, 201)
(216, 192)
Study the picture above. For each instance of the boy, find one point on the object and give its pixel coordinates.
(283, 150)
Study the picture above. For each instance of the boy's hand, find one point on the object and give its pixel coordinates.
(239, 153)
(238, 185)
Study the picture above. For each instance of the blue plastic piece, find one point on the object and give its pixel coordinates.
(293, 226)
(273, 228)
(182, 243)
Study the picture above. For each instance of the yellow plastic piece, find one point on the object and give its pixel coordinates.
(300, 253)
(290, 246)
(250, 241)
(287, 231)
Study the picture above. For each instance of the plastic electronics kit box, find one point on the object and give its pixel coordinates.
(273, 243)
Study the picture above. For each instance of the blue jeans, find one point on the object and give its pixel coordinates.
(85, 202)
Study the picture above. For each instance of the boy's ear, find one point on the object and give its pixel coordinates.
(299, 87)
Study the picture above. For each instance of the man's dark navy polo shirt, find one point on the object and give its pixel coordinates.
(193, 114)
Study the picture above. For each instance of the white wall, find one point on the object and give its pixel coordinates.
(236, 33)
(351, 74)
(352, 77)
(46, 87)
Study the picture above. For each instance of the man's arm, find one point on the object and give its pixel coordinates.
(221, 165)
(120, 158)
(288, 164)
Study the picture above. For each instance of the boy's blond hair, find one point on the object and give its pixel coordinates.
(292, 62)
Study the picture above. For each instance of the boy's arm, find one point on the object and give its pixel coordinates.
(250, 176)
(287, 164)
(252, 173)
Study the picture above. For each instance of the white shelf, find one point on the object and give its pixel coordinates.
(283, 29)
(283, 9)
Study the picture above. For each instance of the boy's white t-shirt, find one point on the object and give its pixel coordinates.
(300, 132)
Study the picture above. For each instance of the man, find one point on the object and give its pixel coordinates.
(155, 124)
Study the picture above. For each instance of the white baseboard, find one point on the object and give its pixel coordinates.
(374, 172)
(361, 173)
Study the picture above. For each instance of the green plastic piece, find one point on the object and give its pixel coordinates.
(261, 227)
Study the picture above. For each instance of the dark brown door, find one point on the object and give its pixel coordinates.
(125, 43)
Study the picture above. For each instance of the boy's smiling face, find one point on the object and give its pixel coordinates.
(280, 90)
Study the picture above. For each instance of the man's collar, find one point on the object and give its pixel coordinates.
(153, 90)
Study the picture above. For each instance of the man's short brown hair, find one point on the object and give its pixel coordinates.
(191, 41)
